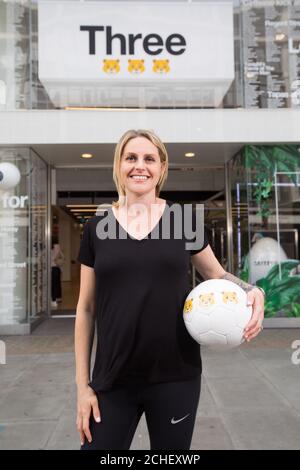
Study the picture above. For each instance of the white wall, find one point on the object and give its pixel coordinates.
(179, 125)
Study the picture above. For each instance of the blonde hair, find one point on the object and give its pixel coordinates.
(131, 134)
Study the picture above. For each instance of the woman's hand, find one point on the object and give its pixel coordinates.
(255, 297)
(86, 401)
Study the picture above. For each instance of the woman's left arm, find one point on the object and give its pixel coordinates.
(209, 267)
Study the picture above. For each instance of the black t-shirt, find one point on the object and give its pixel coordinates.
(141, 286)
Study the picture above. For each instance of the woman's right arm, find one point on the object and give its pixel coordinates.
(84, 335)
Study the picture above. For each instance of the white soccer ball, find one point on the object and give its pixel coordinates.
(215, 314)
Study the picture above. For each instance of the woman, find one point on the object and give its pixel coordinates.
(57, 259)
(133, 286)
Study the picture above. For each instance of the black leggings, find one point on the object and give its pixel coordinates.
(170, 409)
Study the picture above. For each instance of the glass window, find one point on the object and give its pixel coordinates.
(266, 223)
(23, 273)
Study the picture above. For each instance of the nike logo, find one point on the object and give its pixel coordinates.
(173, 421)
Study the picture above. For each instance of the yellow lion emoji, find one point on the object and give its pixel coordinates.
(188, 306)
(229, 297)
(111, 66)
(136, 66)
(206, 299)
(161, 66)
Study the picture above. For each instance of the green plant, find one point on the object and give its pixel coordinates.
(282, 293)
(293, 311)
(263, 160)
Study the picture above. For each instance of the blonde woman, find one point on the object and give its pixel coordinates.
(133, 286)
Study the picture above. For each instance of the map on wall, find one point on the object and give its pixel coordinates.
(271, 53)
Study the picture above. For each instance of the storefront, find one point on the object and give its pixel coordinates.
(220, 78)
(23, 236)
(265, 185)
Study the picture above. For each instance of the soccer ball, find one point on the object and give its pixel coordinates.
(215, 314)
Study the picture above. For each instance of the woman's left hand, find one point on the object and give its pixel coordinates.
(255, 297)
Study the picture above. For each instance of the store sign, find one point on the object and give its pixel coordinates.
(152, 44)
(87, 49)
(13, 202)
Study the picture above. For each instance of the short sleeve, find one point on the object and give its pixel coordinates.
(205, 236)
(86, 253)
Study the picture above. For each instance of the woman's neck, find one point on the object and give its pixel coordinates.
(145, 199)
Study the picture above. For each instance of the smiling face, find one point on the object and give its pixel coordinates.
(140, 168)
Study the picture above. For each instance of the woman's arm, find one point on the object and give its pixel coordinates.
(84, 335)
(209, 267)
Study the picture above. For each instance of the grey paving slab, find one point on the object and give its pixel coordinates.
(244, 393)
(228, 363)
(264, 429)
(57, 358)
(71, 403)
(211, 434)
(286, 381)
(268, 355)
(48, 373)
(30, 435)
(207, 405)
(249, 399)
(32, 402)
(15, 367)
(65, 435)
(55, 326)
(277, 367)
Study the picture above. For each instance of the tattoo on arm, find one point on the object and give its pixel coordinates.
(244, 285)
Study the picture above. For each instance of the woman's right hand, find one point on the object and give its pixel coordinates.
(86, 401)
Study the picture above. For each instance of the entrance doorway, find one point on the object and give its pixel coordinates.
(65, 271)
(74, 208)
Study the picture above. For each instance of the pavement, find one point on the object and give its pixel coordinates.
(250, 397)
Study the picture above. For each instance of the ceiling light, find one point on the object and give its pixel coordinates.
(280, 36)
(189, 154)
(86, 155)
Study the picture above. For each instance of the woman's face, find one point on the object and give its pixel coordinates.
(141, 167)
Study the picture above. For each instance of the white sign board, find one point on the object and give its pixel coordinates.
(131, 48)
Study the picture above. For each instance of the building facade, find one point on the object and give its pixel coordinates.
(219, 82)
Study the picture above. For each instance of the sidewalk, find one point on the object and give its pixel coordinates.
(250, 396)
